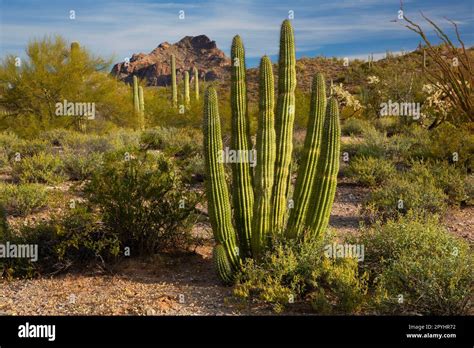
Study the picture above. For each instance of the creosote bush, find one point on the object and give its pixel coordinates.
(143, 201)
(417, 258)
(23, 199)
(371, 171)
(40, 168)
(301, 273)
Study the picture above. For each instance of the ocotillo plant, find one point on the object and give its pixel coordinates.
(174, 86)
(196, 83)
(186, 89)
(317, 175)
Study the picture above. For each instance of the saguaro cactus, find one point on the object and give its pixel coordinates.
(196, 83)
(316, 181)
(262, 223)
(241, 143)
(220, 214)
(285, 115)
(186, 88)
(174, 86)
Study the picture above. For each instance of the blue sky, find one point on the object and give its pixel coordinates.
(119, 28)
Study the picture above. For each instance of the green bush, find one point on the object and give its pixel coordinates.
(23, 199)
(374, 144)
(417, 267)
(409, 190)
(80, 166)
(448, 178)
(71, 241)
(174, 141)
(371, 171)
(39, 168)
(144, 202)
(355, 126)
(300, 272)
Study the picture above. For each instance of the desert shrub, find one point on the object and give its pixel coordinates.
(39, 168)
(449, 178)
(388, 125)
(144, 202)
(446, 140)
(469, 188)
(23, 199)
(71, 241)
(80, 166)
(415, 257)
(371, 171)
(300, 272)
(374, 144)
(409, 190)
(355, 126)
(194, 169)
(174, 141)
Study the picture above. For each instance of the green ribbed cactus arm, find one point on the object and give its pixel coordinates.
(196, 83)
(266, 152)
(285, 115)
(322, 196)
(174, 85)
(186, 88)
(312, 148)
(217, 193)
(240, 140)
(141, 97)
(136, 100)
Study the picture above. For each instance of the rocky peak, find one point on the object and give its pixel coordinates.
(191, 51)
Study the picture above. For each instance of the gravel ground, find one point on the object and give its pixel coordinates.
(185, 285)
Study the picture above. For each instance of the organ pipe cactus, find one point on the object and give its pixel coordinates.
(312, 147)
(268, 189)
(136, 100)
(219, 208)
(196, 83)
(174, 86)
(265, 159)
(241, 143)
(186, 88)
(141, 114)
(285, 115)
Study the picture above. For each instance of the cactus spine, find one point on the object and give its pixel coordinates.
(141, 120)
(311, 151)
(324, 189)
(174, 86)
(220, 213)
(285, 115)
(241, 143)
(266, 153)
(196, 83)
(316, 182)
(186, 88)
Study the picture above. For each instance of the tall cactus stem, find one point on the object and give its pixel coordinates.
(241, 143)
(324, 189)
(219, 208)
(266, 152)
(285, 115)
(311, 151)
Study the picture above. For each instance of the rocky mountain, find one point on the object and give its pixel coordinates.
(190, 51)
